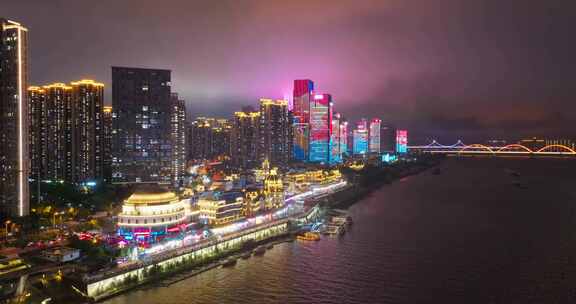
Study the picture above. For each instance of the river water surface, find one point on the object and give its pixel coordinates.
(467, 235)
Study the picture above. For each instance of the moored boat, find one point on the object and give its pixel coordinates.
(229, 262)
(260, 250)
(309, 236)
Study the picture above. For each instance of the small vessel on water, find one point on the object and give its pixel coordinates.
(270, 246)
(520, 185)
(309, 236)
(349, 220)
(246, 255)
(229, 262)
(260, 250)
(513, 173)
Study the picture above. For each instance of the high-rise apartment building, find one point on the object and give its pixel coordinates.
(275, 132)
(14, 163)
(67, 134)
(208, 138)
(320, 128)
(245, 141)
(374, 140)
(107, 118)
(178, 121)
(302, 97)
(87, 131)
(142, 140)
(50, 131)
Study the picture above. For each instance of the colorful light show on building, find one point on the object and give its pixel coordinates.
(335, 139)
(343, 137)
(401, 141)
(301, 110)
(360, 138)
(374, 136)
(320, 128)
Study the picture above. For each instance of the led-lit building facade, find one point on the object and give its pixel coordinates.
(218, 208)
(273, 190)
(336, 139)
(178, 133)
(360, 138)
(275, 132)
(150, 213)
(320, 128)
(401, 141)
(302, 98)
(343, 137)
(245, 141)
(87, 131)
(142, 140)
(374, 141)
(14, 162)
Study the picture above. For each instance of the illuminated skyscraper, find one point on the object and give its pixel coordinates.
(387, 139)
(208, 138)
(87, 131)
(336, 139)
(360, 138)
(320, 128)
(107, 117)
(401, 141)
(142, 140)
(374, 136)
(343, 137)
(245, 141)
(14, 162)
(50, 130)
(301, 110)
(275, 132)
(178, 121)
(67, 133)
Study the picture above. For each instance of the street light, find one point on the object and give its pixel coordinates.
(6, 227)
(54, 217)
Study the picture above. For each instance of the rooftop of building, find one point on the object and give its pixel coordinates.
(151, 194)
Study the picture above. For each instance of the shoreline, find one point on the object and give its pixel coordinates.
(352, 195)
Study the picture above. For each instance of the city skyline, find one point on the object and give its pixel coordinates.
(315, 144)
(408, 73)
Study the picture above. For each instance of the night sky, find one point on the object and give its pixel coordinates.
(448, 69)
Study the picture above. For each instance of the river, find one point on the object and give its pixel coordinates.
(467, 235)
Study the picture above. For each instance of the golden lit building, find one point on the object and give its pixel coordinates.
(252, 202)
(273, 191)
(275, 131)
(151, 212)
(218, 208)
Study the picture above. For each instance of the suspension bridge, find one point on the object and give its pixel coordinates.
(512, 149)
